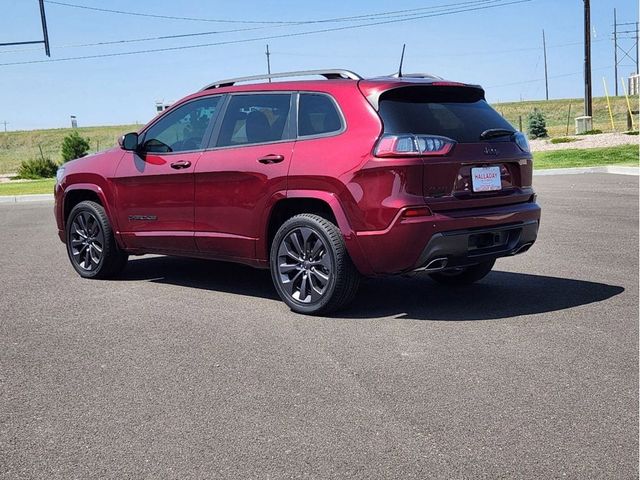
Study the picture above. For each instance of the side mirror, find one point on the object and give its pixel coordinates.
(129, 142)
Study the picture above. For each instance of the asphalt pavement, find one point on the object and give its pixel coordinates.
(194, 369)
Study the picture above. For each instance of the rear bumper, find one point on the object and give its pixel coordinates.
(466, 247)
(461, 237)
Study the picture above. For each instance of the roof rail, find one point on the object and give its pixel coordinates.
(328, 74)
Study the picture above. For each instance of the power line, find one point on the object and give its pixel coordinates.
(195, 34)
(536, 80)
(464, 54)
(270, 37)
(268, 22)
(150, 15)
(217, 32)
(144, 39)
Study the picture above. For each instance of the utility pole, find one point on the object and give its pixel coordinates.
(45, 34)
(615, 48)
(268, 63)
(588, 105)
(5, 123)
(546, 78)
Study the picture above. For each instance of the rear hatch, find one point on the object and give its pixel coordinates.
(472, 156)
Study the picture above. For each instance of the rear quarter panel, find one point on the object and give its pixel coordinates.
(342, 164)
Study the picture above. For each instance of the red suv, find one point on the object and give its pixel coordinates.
(320, 180)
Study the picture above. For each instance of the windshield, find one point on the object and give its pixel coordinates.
(459, 113)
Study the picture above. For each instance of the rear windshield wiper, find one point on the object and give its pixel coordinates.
(495, 132)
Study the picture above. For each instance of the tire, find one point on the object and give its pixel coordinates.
(310, 267)
(464, 275)
(91, 246)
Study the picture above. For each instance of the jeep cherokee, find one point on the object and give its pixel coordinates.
(322, 181)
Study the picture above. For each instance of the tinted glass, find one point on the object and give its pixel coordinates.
(460, 113)
(182, 129)
(255, 119)
(317, 114)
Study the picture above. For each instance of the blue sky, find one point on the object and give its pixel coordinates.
(499, 48)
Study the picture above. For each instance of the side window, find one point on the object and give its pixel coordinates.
(182, 129)
(317, 114)
(255, 119)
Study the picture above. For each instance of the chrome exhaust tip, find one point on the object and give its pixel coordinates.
(436, 264)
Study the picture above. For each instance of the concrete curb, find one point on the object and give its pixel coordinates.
(574, 171)
(7, 199)
(624, 170)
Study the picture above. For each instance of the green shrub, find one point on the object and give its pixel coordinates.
(74, 146)
(591, 132)
(41, 167)
(563, 140)
(631, 132)
(537, 124)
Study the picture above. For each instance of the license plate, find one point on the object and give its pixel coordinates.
(486, 179)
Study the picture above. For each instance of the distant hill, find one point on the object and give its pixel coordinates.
(21, 145)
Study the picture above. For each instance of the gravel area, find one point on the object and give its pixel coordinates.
(8, 177)
(585, 141)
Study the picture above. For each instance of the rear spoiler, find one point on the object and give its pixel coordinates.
(373, 89)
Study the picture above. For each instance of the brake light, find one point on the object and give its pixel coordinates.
(448, 84)
(413, 145)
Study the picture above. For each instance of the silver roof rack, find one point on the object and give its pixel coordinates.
(328, 74)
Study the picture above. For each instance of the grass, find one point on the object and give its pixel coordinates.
(27, 187)
(556, 112)
(25, 144)
(587, 157)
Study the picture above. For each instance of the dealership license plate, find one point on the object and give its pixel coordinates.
(486, 179)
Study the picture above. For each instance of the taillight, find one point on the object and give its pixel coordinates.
(413, 145)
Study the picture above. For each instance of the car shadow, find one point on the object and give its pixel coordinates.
(499, 295)
(205, 274)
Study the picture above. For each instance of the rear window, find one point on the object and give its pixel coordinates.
(460, 113)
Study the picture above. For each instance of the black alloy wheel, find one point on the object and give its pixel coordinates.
(310, 266)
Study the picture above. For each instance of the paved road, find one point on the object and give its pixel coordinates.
(193, 369)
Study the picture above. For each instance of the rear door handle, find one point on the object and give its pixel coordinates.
(271, 159)
(181, 164)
